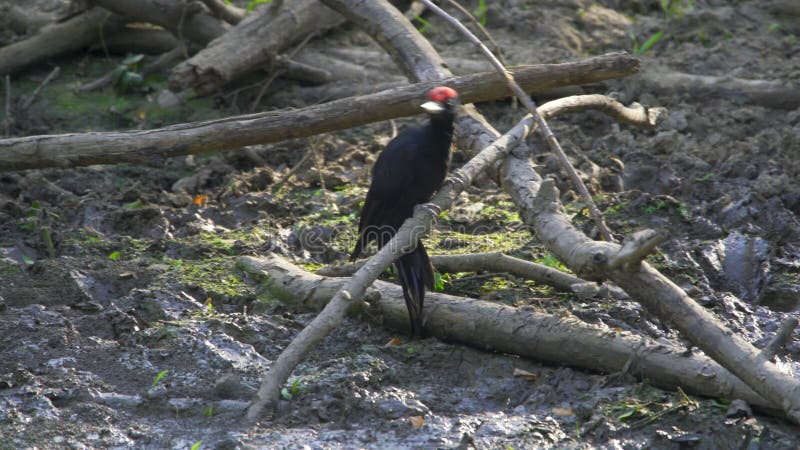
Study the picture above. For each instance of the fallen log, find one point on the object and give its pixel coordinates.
(769, 93)
(73, 34)
(137, 40)
(153, 146)
(188, 20)
(559, 339)
(251, 44)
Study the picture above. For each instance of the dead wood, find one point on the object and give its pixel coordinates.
(353, 290)
(137, 40)
(769, 93)
(495, 262)
(153, 146)
(590, 259)
(298, 96)
(587, 258)
(73, 34)
(780, 339)
(50, 77)
(190, 20)
(252, 44)
(559, 339)
(22, 21)
(229, 13)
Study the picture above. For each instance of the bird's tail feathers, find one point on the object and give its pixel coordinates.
(415, 272)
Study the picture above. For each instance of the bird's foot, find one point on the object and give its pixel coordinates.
(458, 180)
(430, 208)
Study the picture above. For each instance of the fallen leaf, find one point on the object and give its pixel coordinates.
(563, 411)
(530, 376)
(393, 342)
(417, 421)
(200, 200)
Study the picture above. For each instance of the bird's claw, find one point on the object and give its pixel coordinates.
(458, 180)
(430, 208)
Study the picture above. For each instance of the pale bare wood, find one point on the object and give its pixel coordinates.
(541, 209)
(189, 20)
(153, 146)
(251, 44)
(559, 339)
(73, 34)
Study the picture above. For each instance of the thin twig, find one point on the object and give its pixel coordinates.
(415, 9)
(277, 186)
(314, 147)
(50, 76)
(229, 13)
(279, 72)
(8, 120)
(555, 147)
(783, 336)
(482, 29)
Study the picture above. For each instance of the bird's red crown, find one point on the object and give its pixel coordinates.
(442, 94)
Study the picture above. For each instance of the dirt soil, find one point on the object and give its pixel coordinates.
(124, 322)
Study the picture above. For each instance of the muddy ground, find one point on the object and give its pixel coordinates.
(124, 322)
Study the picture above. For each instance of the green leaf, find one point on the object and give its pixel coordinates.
(196, 445)
(132, 59)
(209, 411)
(136, 204)
(159, 377)
(425, 24)
(438, 282)
(480, 12)
(286, 394)
(649, 43)
(253, 3)
(114, 255)
(27, 260)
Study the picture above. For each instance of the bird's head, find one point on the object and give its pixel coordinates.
(442, 99)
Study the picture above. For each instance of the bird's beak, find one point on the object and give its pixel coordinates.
(432, 107)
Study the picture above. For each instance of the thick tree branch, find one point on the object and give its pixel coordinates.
(73, 34)
(153, 146)
(556, 339)
(185, 19)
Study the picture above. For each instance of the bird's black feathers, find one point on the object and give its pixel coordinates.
(408, 172)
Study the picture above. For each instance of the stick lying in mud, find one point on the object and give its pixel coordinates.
(153, 146)
(354, 289)
(589, 259)
(498, 262)
(553, 338)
